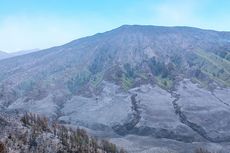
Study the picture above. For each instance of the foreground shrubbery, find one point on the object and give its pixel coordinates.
(2, 148)
(39, 135)
(201, 150)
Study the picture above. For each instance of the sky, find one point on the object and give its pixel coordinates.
(30, 24)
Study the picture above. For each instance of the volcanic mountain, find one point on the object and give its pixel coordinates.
(143, 87)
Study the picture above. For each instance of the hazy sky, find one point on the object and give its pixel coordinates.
(28, 24)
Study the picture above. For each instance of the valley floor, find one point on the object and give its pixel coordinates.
(147, 118)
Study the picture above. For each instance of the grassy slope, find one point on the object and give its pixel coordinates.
(215, 67)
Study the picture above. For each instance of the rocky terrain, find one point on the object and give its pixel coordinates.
(145, 88)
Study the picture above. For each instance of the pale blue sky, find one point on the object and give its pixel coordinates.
(28, 24)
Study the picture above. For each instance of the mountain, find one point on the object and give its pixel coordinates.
(3, 55)
(23, 52)
(142, 87)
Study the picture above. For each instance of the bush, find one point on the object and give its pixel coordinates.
(108, 147)
(201, 150)
(2, 148)
(38, 122)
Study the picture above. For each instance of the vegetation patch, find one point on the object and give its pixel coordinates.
(126, 82)
(26, 86)
(163, 72)
(214, 66)
(96, 79)
(164, 83)
(38, 134)
(81, 79)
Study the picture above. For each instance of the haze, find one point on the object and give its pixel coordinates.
(42, 24)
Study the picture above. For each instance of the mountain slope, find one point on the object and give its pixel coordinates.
(129, 44)
(133, 80)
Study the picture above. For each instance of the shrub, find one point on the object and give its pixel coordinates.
(2, 148)
(201, 150)
(38, 122)
(108, 147)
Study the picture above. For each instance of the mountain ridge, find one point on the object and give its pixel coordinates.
(133, 47)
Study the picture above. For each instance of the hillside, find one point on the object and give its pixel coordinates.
(142, 86)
